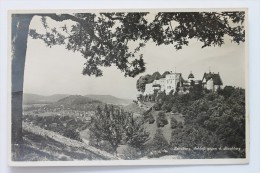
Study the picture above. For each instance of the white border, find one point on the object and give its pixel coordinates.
(130, 162)
(253, 58)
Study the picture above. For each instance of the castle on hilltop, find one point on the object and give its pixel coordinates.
(174, 82)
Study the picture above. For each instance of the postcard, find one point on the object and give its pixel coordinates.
(128, 87)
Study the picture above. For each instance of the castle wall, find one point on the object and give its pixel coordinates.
(162, 83)
(210, 85)
(171, 81)
(148, 89)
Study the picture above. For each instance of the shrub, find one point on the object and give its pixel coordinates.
(174, 109)
(93, 139)
(151, 119)
(130, 153)
(106, 146)
(161, 119)
(180, 125)
(174, 123)
(72, 134)
(157, 106)
(136, 135)
(167, 107)
(147, 112)
(159, 146)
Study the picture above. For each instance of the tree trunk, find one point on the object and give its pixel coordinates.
(20, 28)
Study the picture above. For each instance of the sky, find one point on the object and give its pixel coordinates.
(59, 71)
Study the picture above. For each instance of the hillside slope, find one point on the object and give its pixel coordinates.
(134, 108)
(166, 130)
(45, 145)
(76, 102)
(110, 99)
(40, 99)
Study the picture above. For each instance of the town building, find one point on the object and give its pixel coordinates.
(149, 89)
(212, 81)
(162, 82)
(191, 77)
(171, 81)
(186, 84)
(167, 84)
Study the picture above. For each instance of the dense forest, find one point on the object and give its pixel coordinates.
(212, 120)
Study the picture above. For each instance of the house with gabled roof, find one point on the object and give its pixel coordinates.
(212, 81)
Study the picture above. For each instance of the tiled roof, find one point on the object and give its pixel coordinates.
(216, 78)
(190, 76)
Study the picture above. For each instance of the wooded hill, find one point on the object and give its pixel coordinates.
(40, 99)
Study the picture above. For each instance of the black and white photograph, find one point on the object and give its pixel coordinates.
(128, 87)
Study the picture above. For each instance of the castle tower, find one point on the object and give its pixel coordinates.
(190, 77)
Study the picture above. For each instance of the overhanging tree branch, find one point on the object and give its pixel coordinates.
(84, 23)
(104, 38)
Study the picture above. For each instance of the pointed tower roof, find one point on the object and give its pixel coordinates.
(190, 75)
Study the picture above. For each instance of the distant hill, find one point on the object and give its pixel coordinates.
(70, 99)
(76, 102)
(40, 99)
(110, 99)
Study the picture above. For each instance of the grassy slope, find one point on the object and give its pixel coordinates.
(42, 148)
(151, 128)
(42, 145)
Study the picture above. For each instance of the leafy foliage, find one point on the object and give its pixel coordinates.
(115, 126)
(174, 123)
(108, 125)
(148, 116)
(72, 133)
(213, 120)
(136, 135)
(64, 125)
(130, 153)
(161, 120)
(142, 81)
(151, 119)
(192, 136)
(104, 39)
(156, 75)
(159, 146)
